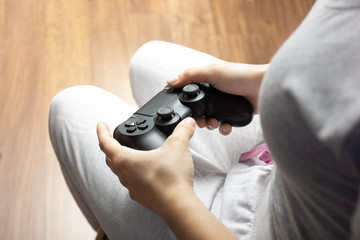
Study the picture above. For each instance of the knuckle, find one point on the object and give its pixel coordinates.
(176, 140)
(132, 195)
(108, 161)
(173, 139)
(187, 73)
(120, 161)
(215, 70)
(102, 145)
(123, 181)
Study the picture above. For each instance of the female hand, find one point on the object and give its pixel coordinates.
(162, 181)
(234, 78)
(153, 178)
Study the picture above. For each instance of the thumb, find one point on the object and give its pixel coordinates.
(183, 131)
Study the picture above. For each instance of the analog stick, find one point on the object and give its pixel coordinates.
(165, 113)
(191, 91)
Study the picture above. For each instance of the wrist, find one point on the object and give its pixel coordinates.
(257, 79)
(188, 218)
(175, 201)
(183, 214)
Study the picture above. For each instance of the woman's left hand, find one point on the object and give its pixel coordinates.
(153, 178)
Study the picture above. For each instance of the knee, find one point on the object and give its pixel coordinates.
(66, 112)
(145, 53)
(80, 108)
(150, 68)
(58, 102)
(64, 105)
(63, 100)
(73, 98)
(57, 111)
(146, 57)
(56, 119)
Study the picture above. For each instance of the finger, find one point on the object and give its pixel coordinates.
(117, 156)
(184, 130)
(107, 143)
(201, 122)
(212, 123)
(225, 129)
(195, 75)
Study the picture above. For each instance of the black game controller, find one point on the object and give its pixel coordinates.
(149, 127)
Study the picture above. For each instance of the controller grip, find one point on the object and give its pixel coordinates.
(228, 108)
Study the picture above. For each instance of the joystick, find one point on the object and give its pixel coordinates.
(190, 91)
(149, 127)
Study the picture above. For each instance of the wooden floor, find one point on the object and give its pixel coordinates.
(48, 45)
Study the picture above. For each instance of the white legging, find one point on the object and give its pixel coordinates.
(232, 191)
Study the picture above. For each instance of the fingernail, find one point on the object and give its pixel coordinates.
(190, 121)
(173, 81)
(224, 130)
(210, 127)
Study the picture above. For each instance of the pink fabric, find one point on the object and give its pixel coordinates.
(262, 153)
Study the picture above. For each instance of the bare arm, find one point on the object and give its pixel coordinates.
(190, 219)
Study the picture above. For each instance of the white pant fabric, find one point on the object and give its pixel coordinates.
(236, 193)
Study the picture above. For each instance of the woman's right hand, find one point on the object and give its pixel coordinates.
(234, 78)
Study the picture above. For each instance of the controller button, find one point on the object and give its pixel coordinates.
(129, 123)
(165, 113)
(140, 121)
(143, 126)
(191, 91)
(131, 129)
